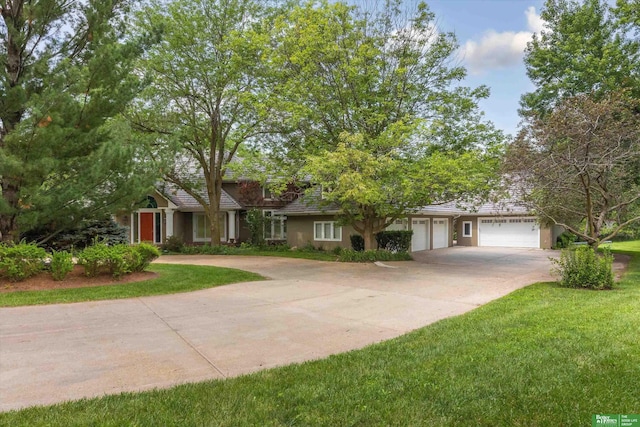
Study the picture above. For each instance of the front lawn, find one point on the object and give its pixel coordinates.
(541, 356)
(172, 279)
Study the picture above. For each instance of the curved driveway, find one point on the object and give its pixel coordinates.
(308, 310)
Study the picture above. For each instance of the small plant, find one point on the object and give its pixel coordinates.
(61, 264)
(21, 261)
(173, 244)
(357, 242)
(581, 267)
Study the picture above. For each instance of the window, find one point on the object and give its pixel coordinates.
(275, 227)
(466, 228)
(268, 194)
(327, 231)
(202, 228)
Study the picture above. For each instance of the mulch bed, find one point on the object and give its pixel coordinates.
(75, 279)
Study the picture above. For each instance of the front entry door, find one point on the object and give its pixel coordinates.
(146, 227)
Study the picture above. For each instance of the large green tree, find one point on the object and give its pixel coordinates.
(66, 75)
(577, 166)
(209, 95)
(371, 105)
(583, 49)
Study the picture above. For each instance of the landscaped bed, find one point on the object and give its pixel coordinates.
(541, 356)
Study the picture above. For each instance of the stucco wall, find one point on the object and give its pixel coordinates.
(467, 241)
(300, 232)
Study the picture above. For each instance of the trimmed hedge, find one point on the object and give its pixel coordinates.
(394, 240)
(357, 242)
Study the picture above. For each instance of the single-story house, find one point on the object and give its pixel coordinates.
(298, 221)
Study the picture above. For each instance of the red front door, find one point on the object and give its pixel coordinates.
(146, 227)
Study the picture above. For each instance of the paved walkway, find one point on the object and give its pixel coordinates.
(308, 310)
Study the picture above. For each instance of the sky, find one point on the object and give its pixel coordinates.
(492, 35)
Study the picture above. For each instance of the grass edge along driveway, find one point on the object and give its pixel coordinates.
(173, 278)
(541, 356)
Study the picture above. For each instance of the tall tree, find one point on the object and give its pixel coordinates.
(578, 165)
(66, 75)
(583, 49)
(209, 92)
(372, 111)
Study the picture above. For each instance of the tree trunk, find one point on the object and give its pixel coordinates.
(214, 191)
(8, 225)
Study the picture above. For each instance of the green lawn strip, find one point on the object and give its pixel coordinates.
(541, 356)
(172, 279)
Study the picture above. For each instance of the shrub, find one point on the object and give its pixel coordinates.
(357, 242)
(173, 244)
(94, 259)
(581, 267)
(565, 240)
(116, 260)
(61, 264)
(256, 222)
(21, 261)
(147, 254)
(350, 255)
(394, 240)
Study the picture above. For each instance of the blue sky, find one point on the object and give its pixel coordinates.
(492, 35)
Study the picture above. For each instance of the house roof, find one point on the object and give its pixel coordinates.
(186, 202)
(309, 204)
(505, 207)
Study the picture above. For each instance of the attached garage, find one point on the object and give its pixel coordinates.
(516, 232)
(440, 233)
(420, 238)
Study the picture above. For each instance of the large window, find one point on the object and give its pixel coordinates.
(327, 230)
(275, 227)
(202, 228)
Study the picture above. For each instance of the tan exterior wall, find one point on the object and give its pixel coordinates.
(467, 241)
(546, 233)
(546, 237)
(300, 232)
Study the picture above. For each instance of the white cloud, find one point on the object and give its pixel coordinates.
(534, 22)
(500, 50)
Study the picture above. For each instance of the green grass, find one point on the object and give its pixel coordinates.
(172, 279)
(632, 246)
(541, 356)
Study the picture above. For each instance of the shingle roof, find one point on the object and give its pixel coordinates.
(187, 202)
(309, 204)
(490, 208)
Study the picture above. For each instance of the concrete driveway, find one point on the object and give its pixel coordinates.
(308, 310)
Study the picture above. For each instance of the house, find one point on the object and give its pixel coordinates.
(171, 211)
(301, 221)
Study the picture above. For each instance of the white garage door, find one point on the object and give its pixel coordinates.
(440, 233)
(420, 238)
(509, 232)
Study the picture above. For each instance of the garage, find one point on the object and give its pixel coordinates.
(420, 238)
(440, 233)
(523, 232)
